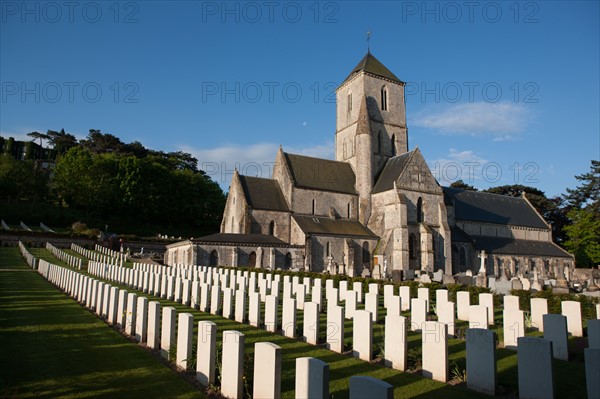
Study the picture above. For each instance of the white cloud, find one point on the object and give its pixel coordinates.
(253, 160)
(502, 121)
(467, 166)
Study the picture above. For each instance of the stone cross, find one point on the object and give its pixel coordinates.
(482, 255)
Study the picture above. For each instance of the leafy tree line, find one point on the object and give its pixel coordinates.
(109, 179)
(574, 216)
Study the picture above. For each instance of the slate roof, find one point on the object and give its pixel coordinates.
(392, 169)
(241, 239)
(321, 174)
(492, 208)
(329, 226)
(511, 246)
(263, 194)
(457, 235)
(372, 65)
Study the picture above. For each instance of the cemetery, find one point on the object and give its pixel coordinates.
(253, 333)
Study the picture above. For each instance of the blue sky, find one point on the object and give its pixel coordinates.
(497, 92)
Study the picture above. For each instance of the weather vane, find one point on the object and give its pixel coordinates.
(368, 41)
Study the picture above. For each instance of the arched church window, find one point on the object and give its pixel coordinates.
(384, 99)
(232, 224)
(328, 249)
(349, 102)
(462, 258)
(411, 246)
(313, 206)
(366, 252)
(348, 210)
(252, 259)
(379, 142)
(420, 217)
(214, 258)
(272, 228)
(393, 145)
(288, 260)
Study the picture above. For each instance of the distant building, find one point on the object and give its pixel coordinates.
(376, 205)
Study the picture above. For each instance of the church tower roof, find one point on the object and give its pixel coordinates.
(373, 66)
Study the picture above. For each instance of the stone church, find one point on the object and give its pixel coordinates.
(377, 209)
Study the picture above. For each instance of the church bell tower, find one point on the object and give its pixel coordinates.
(370, 124)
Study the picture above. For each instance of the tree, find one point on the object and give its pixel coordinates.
(587, 194)
(61, 141)
(462, 185)
(583, 203)
(584, 237)
(37, 135)
(98, 142)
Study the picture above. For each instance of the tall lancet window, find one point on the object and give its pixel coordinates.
(393, 145)
(384, 105)
(379, 142)
(349, 102)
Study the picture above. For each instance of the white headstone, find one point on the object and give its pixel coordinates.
(113, 305)
(215, 299)
(447, 315)
(357, 287)
(423, 293)
(271, 312)
(435, 351)
(388, 292)
(555, 331)
(487, 300)
(511, 302)
(418, 315)
(311, 323)
(572, 311)
(154, 325)
(131, 312)
(394, 306)
(395, 342)
(536, 375)
(240, 306)
(254, 312)
(185, 333)
(478, 316)
(267, 370)
(288, 322)
(351, 298)
(514, 327)
(362, 335)
(312, 378)
(539, 307)
(372, 305)
(232, 367)
(167, 332)
(335, 328)
(141, 320)
(441, 296)
(206, 352)
(481, 360)
(463, 301)
(122, 309)
(228, 303)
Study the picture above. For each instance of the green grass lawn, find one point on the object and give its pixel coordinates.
(51, 347)
(570, 376)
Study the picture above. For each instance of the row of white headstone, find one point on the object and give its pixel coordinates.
(97, 256)
(29, 258)
(142, 320)
(71, 260)
(109, 252)
(434, 334)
